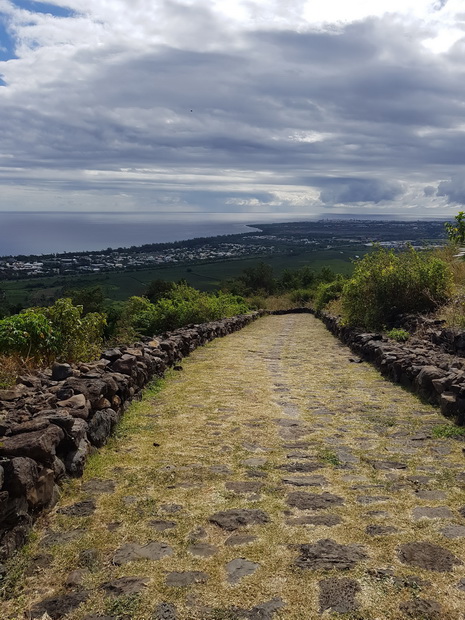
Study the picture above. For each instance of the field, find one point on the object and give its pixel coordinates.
(204, 276)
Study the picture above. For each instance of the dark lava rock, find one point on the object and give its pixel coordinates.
(263, 611)
(187, 578)
(165, 611)
(58, 606)
(372, 499)
(326, 554)
(255, 473)
(338, 595)
(428, 556)
(101, 426)
(38, 562)
(388, 465)
(239, 539)
(428, 512)
(421, 608)
(132, 551)
(301, 467)
(453, 531)
(80, 509)
(61, 371)
(431, 495)
(244, 487)
(231, 520)
(327, 520)
(313, 501)
(112, 354)
(58, 538)
(161, 526)
(380, 530)
(239, 568)
(125, 585)
(99, 486)
(38, 445)
(305, 481)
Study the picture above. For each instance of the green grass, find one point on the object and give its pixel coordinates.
(448, 430)
(329, 457)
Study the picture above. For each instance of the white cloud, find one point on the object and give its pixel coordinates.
(141, 103)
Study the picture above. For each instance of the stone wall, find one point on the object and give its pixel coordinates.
(421, 364)
(50, 422)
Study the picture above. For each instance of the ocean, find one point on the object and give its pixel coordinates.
(50, 232)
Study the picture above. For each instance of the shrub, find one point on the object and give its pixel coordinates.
(456, 232)
(58, 332)
(29, 335)
(385, 284)
(77, 337)
(301, 295)
(256, 302)
(328, 291)
(182, 305)
(398, 334)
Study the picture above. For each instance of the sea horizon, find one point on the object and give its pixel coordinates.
(49, 232)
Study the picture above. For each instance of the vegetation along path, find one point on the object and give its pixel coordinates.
(271, 478)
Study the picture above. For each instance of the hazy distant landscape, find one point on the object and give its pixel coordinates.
(208, 261)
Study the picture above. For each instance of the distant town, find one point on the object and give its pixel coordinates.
(274, 238)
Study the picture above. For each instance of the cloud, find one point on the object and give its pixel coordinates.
(348, 191)
(185, 105)
(429, 190)
(454, 190)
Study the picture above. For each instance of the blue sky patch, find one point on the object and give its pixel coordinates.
(44, 7)
(7, 42)
(7, 45)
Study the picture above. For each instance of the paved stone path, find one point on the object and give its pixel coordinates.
(271, 478)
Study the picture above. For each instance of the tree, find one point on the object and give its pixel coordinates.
(91, 298)
(259, 278)
(456, 232)
(157, 289)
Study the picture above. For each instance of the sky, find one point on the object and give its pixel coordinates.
(257, 107)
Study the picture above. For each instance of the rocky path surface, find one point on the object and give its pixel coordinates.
(271, 478)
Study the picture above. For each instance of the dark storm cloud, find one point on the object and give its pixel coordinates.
(454, 190)
(342, 191)
(350, 113)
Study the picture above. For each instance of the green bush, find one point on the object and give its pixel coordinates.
(58, 332)
(301, 295)
(387, 283)
(28, 334)
(398, 334)
(78, 337)
(182, 305)
(256, 302)
(328, 291)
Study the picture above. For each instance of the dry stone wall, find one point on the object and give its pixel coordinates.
(431, 364)
(421, 364)
(50, 422)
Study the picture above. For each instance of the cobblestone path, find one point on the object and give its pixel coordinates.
(271, 478)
